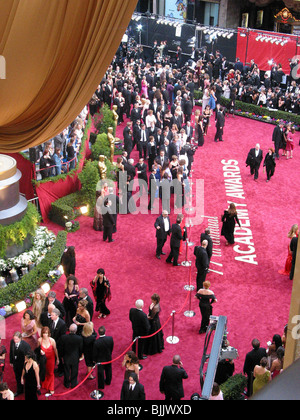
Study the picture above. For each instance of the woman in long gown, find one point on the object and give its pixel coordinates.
(49, 350)
(38, 306)
(154, 344)
(288, 264)
(206, 119)
(30, 377)
(206, 299)
(261, 375)
(200, 131)
(68, 261)
(101, 291)
(229, 219)
(29, 329)
(70, 301)
(144, 85)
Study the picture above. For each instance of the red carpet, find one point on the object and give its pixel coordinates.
(254, 297)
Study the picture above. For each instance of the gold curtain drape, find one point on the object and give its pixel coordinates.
(56, 53)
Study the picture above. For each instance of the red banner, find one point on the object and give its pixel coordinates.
(263, 46)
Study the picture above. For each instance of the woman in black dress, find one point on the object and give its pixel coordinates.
(101, 291)
(229, 219)
(200, 131)
(154, 344)
(269, 163)
(82, 316)
(31, 377)
(89, 337)
(206, 299)
(68, 261)
(70, 301)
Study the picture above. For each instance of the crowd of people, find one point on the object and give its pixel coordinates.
(59, 155)
(158, 98)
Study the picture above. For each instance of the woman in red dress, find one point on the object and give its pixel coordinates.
(49, 350)
(288, 264)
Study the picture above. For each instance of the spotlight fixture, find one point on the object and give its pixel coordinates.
(258, 38)
(21, 306)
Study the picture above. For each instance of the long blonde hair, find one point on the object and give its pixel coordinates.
(293, 231)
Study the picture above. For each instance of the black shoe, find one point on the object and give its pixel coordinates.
(169, 262)
(176, 265)
(144, 357)
(112, 240)
(158, 257)
(163, 253)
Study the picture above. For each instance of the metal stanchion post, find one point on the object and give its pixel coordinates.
(97, 394)
(173, 339)
(186, 263)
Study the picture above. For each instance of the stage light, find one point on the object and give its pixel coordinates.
(258, 38)
(230, 35)
(61, 269)
(45, 287)
(273, 40)
(85, 209)
(21, 306)
(224, 35)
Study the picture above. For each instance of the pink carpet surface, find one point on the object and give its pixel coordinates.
(251, 293)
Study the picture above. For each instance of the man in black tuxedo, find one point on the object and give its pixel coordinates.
(188, 109)
(162, 226)
(254, 159)
(252, 359)
(84, 295)
(128, 143)
(176, 238)
(202, 263)
(102, 353)
(141, 168)
(277, 138)
(108, 221)
(51, 299)
(71, 347)
(140, 327)
(142, 142)
(58, 329)
(132, 389)
(135, 113)
(171, 379)
(206, 236)
(18, 350)
(220, 122)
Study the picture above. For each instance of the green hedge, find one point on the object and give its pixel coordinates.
(104, 119)
(65, 209)
(16, 292)
(233, 388)
(256, 112)
(17, 232)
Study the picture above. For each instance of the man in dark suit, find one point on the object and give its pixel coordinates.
(132, 389)
(277, 138)
(189, 131)
(51, 299)
(171, 378)
(135, 113)
(140, 327)
(252, 359)
(142, 142)
(206, 236)
(141, 168)
(176, 238)
(58, 329)
(71, 347)
(220, 122)
(102, 354)
(18, 350)
(108, 221)
(202, 263)
(254, 159)
(162, 226)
